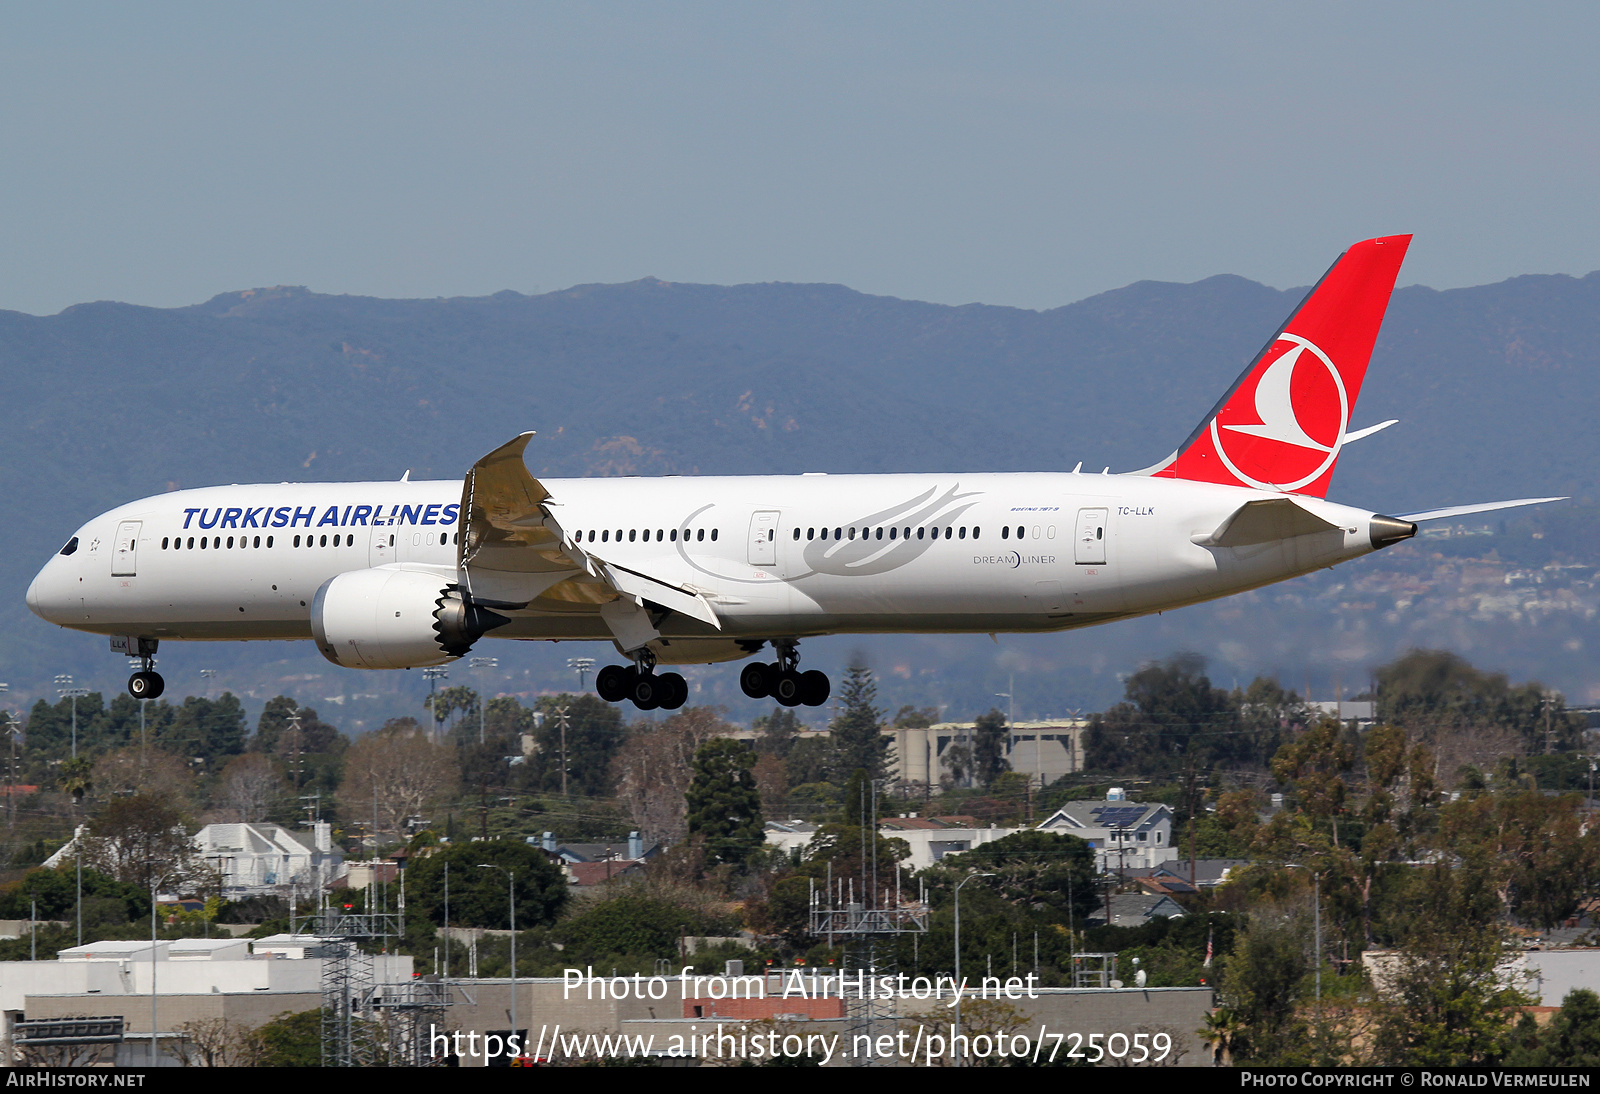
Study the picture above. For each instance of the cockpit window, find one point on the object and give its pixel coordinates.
(72, 546)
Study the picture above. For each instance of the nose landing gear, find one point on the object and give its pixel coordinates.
(147, 682)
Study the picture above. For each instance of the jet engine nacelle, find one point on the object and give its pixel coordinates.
(396, 619)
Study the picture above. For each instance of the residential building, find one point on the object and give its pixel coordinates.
(1124, 835)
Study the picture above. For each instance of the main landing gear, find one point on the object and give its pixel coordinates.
(782, 680)
(639, 683)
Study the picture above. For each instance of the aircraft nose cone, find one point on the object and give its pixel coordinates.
(46, 593)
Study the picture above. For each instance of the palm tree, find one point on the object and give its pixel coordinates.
(76, 778)
(1222, 1031)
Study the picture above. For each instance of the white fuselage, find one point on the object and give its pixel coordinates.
(777, 557)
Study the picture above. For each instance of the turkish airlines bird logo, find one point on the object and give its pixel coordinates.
(1288, 431)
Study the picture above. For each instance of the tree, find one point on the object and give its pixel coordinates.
(218, 1042)
(777, 732)
(989, 747)
(251, 786)
(1571, 1040)
(1442, 693)
(1449, 998)
(392, 775)
(1044, 871)
(724, 804)
(1540, 858)
(292, 1040)
(594, 734)
(135, 770)
(810, 760)
(772, 780)
(856, 731)
(451, 703)
(1314, 764)
(654, 771)
(54, 893)
(141, 840)
(1262, 984)
(207, 729)
(478, 896)
(910, 717)
(1171, 713)
(50, 726)
(505, 718)
(632, 925)
(77, 778)
(1268, 715)
(276, 732)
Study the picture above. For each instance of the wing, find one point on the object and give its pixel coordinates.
(513, 551)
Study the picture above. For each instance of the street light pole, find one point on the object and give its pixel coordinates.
(581, 665)
(1316, 918)
(65, 689)
(14, 730)
(561, 714)
(511, 896)
(483, 703)
(959, 884)
(433, 676)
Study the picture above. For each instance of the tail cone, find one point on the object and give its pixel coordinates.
(1390, 530)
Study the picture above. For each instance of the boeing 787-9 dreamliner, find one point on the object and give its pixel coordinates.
(674, 571)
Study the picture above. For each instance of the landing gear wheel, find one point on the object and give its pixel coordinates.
(611, 684)
(787, 688)
(647, 691)
(674, 690)
(814, 688)
(146, 685)
(753, 680)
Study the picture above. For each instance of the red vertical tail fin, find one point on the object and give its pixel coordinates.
(1282, 424)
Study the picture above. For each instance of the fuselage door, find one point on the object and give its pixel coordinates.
(124, 562)
(1090, 545)
(384, 547)
(764, 538)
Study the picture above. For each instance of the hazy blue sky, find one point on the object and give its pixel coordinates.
(1007, 153)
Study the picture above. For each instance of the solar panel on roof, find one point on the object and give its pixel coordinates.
(1120, 816)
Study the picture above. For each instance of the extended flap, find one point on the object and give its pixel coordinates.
(645, 587)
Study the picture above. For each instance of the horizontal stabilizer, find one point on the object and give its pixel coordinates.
(1265, 521)
(1468, 510)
